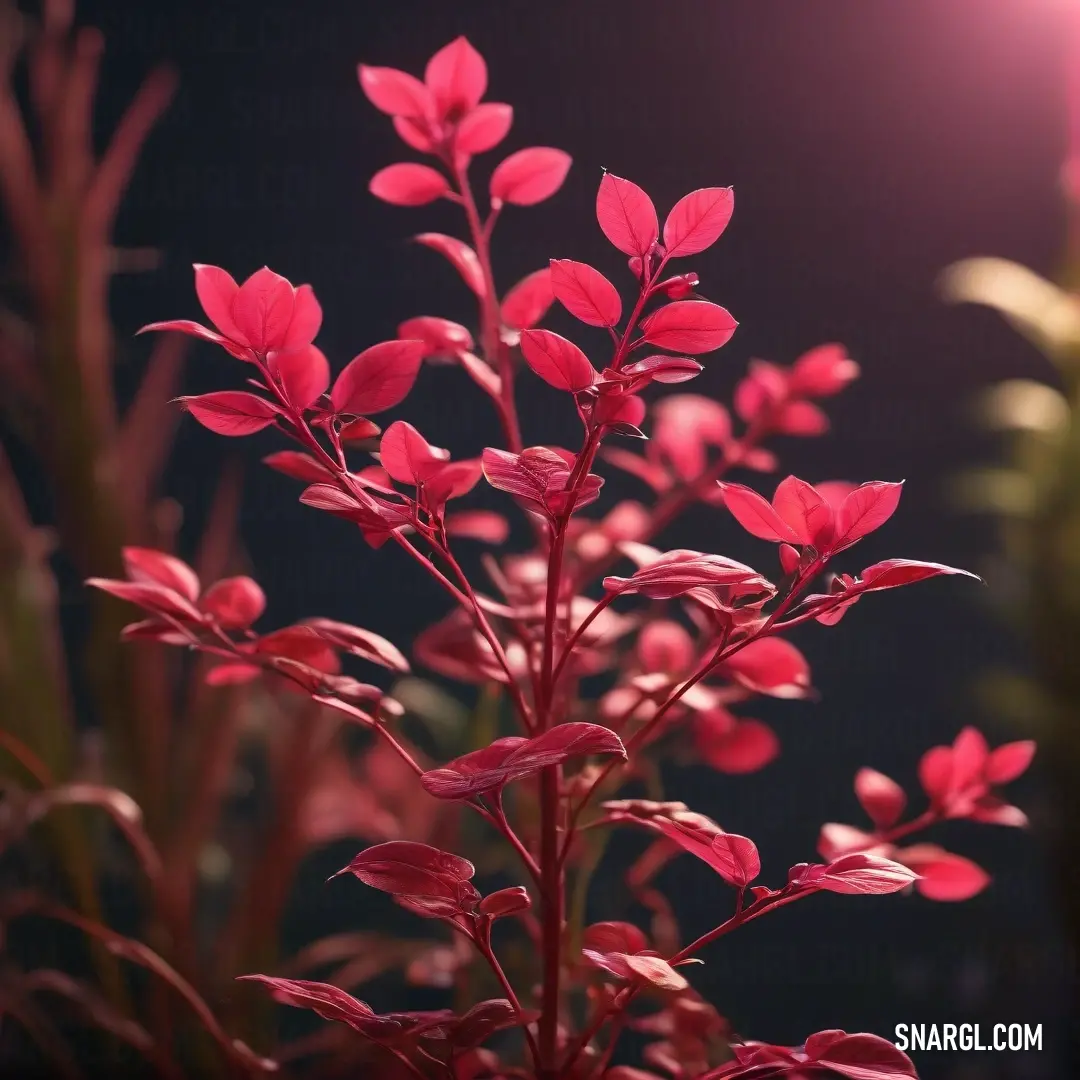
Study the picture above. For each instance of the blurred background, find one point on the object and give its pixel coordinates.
(870, 147)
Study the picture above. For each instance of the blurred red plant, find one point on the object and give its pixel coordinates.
(706, 641)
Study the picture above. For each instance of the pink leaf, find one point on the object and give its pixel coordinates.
(217, 292)
(804, 511)
(358, 642)
(860, 873)
(557, 361)
(419, 877)
(756, 515)
(626, 215)
(395, 92)
(263, 310)
(150, 567)
(585, 293)
(943, 875)
(513, 758)
(408, 184)
(407, 456)
(529, 176)
(664, 369)
(735, 858)
(378, 378)
(460, 255)
(1009, 761)
(801, 418)
(697, 220)
(771, 665)
(441, 337)
(693, 326)
(304, 373)
(859, 1057)
(298, 465)
(235, 603)
(155, 598)
(456, 76)
(528, 301)
(483, 128)
(891, 573)
(231, 412)
(505, 902)
(621, 937)
(867, 508)
(746, 747)
(484, 525)
(415, 133)
(883, 799)
(822, 372)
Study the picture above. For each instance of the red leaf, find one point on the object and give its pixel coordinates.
(801, 418)
(804, 511)
(892, 573)
(745, 747)
(415, 133)
(537, 476)
(395, 92)
(483, 128)
(882, 798)
(1008, 761)
(217, 291)
(693, 326)
(378, 378)
(263, 310)
(460, 255)
(665, 646)
(231, 412)
(452, 480)
(607, 937)
(686, 424)
(484, 525)
(771, 665)
(304, 373)
(419, 877)
(528, 301)
(822, 372)
(529, 176)
(407, 456)
(235, 603)
(298, 465)
(456, 76)
(943, 875)
(650, 969)
(408, 184)
(697, 220)
(155, 598)
(557, 361)
(442, 338)
(626, 215)
(664, 369)
(359, 642)
(505, 902)
(331, 1003)
(735, 858)
(675, 573)
(867, 508)
(585, 293)
(152, 567)
(513, 758)
(756, 515)
(859, 1057)
(860, 873)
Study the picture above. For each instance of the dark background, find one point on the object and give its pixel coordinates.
(869, 144)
